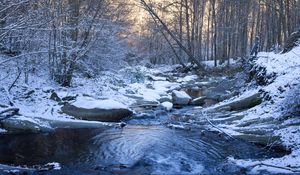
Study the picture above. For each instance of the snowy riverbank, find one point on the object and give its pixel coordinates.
(136, 88)
(277, 115)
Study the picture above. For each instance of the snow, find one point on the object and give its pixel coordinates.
(273, 165)
(181, 94)
(151, 95)
(187, 78)
(112, 90)
(2, 131)
(55, 165)
(211, 63)
(284, 91)
(167, 105)
(91, 103)
(279, 63)
(157, 78)
(165, 85)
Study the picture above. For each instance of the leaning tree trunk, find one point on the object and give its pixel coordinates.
(166, 28)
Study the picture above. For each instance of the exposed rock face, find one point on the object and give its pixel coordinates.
(180, 98)
(103, 115)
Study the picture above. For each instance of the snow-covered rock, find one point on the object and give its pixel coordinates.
(189, 78)
(167, 105)
(91, 103)
(180, 98)
(88, 108)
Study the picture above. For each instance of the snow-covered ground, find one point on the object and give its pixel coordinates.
(211, 63)
(131, 86)
(281, 100)
(91, 103)
(110, 89)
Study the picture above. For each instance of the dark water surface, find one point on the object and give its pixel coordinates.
(134, 149)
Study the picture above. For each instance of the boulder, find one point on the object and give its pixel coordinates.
(167, 105)
(97, 110)
(96, 114)
(180, 98)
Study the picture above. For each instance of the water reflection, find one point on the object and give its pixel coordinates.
(132, 150)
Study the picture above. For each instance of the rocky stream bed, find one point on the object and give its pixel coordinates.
(169, 123)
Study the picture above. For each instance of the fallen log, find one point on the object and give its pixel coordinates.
(76, 124)
(259, 121)
(241, 104)
(38, 124)
(24, 124)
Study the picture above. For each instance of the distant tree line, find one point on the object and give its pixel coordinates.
(62, 33)
(59, 31)
(222, 29)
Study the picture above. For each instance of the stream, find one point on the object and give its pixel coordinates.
(147, 145)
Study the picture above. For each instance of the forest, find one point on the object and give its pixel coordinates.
(149, 87)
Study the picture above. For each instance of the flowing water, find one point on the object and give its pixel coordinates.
(134, 149)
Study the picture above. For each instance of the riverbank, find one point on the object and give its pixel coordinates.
(261, 109)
